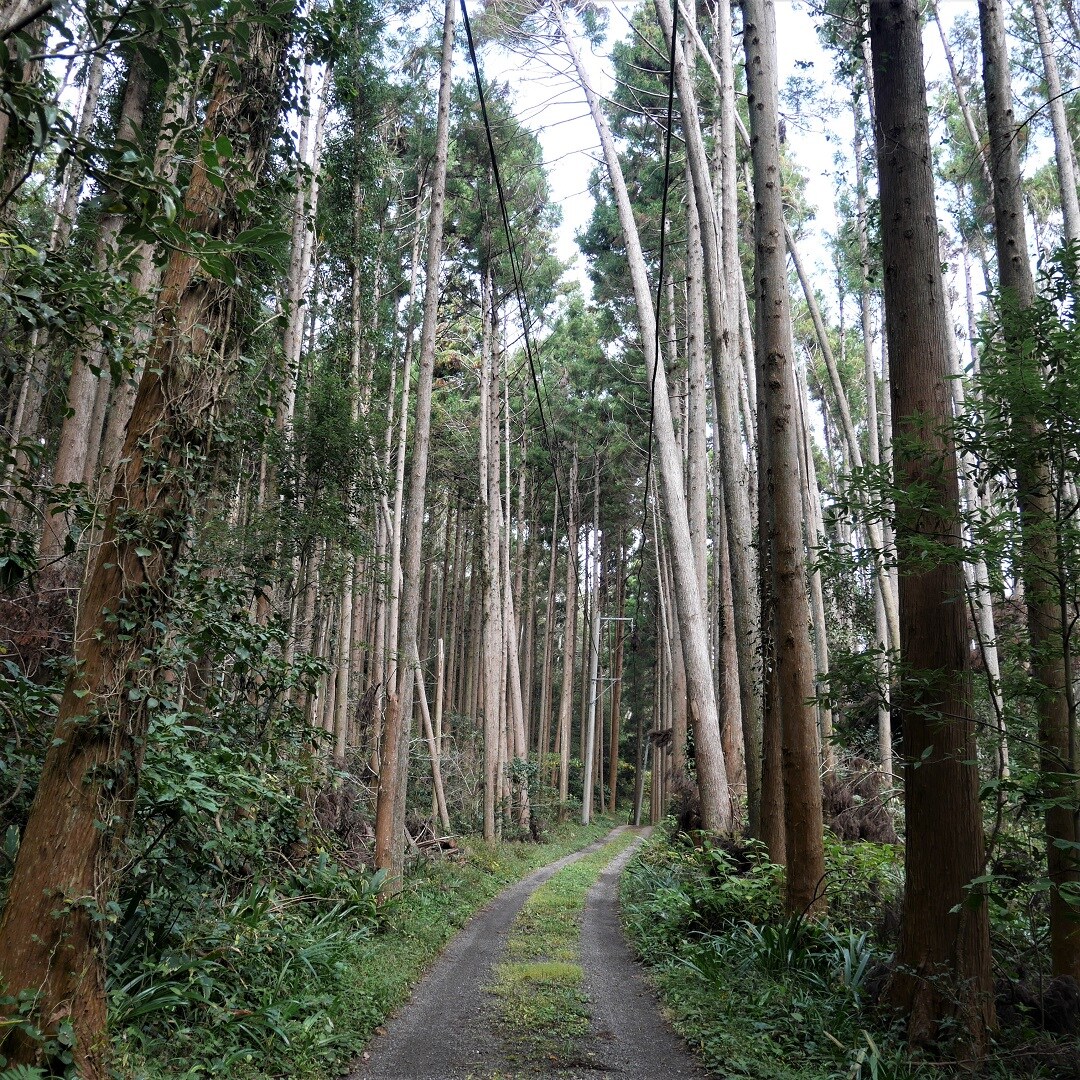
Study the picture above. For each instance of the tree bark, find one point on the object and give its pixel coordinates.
(1047, 628)
(712, 776)
(943, 959)
(794, 657)
(726, 380)
(410, 599)
(566, 699)
(1064, 157)
(52, 935)
(594, 659)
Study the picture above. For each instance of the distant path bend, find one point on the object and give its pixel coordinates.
(447, 1030)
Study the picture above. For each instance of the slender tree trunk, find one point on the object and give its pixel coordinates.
(712, 776)
(72, 453)
(1042, 559)
(616, 680)
(815, 535)
(1064, 157)
(566, 699)
(731, 454)
(491, 567)
(977, 141)
(410, 600)
(943, 959)
(589, 758)
(543, 745)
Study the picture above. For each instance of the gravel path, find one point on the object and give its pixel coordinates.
(446, 1030)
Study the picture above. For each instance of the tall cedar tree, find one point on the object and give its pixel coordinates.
(943, 961)
(1035, 489)
(52, 937)
(794, 654)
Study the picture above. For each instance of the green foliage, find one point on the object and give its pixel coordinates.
(20, 1013)
(759, 994)
(252, 980)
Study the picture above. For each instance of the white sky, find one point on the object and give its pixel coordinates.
(552, 106)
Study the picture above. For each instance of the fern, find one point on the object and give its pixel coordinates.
(23, 1072)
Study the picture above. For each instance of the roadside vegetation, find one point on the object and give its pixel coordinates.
(292, 979)
(768, 996)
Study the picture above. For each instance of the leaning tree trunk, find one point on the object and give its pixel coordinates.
(693, 628)
(943, 959)
(53, 934)
(1042, 558)
(717, 241)
(1064, 157)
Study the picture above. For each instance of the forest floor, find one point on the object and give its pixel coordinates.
(539, 983)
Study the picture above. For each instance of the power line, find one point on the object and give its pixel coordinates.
(519, 285)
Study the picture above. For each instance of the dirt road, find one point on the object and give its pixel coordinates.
(449, 1028)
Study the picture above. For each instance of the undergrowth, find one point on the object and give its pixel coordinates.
(760, 995)
(769, 997)
(292, 979)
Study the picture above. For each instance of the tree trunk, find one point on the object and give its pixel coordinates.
(794, 657)
(616, 680)
(543, 745)
(943, 959)
(52, 935)
(410, 598)
(71, 455)
(726, 378)
(566, 699)
(1047, 626)
(712, 776)
(491, 567)
(594, 658)
(851, 441)
(1064, 157)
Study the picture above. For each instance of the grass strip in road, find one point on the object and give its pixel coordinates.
(543, 1013)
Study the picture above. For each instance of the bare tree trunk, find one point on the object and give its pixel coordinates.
(516, 713)
(1039, 571)
(491, 567)
(883, 639)
(977, 141)
(589, 759)
(815, 536)
(803, 827)
(410, 601)
(1064, 156)
(72, 453)
(543, 744)
(712, 776)
(566, 700)
(616, 679)
(943, 960)
(732, 456)
(851, 440)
